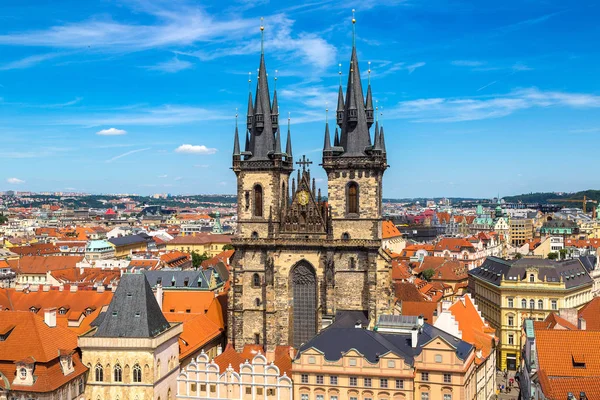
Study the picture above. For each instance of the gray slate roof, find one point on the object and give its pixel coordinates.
(338, 339)
(133, 311)
(176, 279)
(130, 239)
(572, 272)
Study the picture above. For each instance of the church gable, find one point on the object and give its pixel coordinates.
(307, 213)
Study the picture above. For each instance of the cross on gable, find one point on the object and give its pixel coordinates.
(305, 162)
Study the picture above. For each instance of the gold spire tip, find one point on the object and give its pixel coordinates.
(262, 27)
(353, 18)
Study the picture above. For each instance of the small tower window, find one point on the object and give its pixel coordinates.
(118, 373)
(247, 200)
(258, 201)
(352, 200)
(352, 263)
(254, 235)
(345, 236)
(257, 302)
(257, 338)
(256, 280)
(137, 373)
(99, 373)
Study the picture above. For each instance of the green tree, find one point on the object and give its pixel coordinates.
(197, 258)
(3, 219)
(228, 247)
(553, 255)
(518, 256)
(428, 274)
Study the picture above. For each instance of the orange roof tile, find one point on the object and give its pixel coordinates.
(389, 230)
(197, 302)
(453, 245)
(472, 325)
(41, 265)
(416, 308)
(575, 345)
(198, 330)
(591, 314)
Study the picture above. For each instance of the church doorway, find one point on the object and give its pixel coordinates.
(304, 302)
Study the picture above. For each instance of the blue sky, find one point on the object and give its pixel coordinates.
(478, 97)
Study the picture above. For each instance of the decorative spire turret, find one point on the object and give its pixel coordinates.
(336, 139)
(369, 101)
(382, 140)
(275, 107)
(236, 138)
(327, 144)
(277, 142)
(250, 114)
(340, 105)
(288, 147)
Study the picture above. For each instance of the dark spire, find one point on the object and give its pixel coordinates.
(336, 138)
(327, 144)
(382, 140)
(247, 145)
(355, 137)
(369, 102)
(250, 114)
(376, 134)
(377, 139)
(262, 141)
(236, 139)
(277, 142)
(340, 106)
(288, 147)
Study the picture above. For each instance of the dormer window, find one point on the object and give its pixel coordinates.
(531, 278)
(22, 373)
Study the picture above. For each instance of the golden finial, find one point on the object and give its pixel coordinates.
(250, 81)
(275, 79)
(376, 110)
(262, 36)
(340, 72)
(369, 73)
(353, 28)
(236, 117)
(326, 112)
(289, 119)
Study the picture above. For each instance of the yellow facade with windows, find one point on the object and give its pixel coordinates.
(507, 292)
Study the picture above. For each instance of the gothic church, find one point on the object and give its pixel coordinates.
(300, 259)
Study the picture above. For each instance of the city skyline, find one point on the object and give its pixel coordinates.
(141, 96)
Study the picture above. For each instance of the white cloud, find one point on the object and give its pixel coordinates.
(478, 108)
(178, 178)
(111, 132)
(468, 63)
(162, 176)
(29, 61)
(201, 165)
(171, 66)
(126, 154)
(15, 181)
(195, 149)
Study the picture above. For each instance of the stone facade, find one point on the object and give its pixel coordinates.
(299, 260)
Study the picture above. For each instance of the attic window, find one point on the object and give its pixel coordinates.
(578, 360)
(159, 281)
(137, 314)
(129, 295)
(114, 314)
(186, 281)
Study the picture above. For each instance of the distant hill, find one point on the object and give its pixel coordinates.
(546, 197)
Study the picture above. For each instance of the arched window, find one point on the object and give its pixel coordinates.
(118, 373)
(23, 373)
(257, 302)
(540, 304)
(532, 304)
(352, 263)
(531, 278)
(352, 199)
(158, 369)
(137, 373)
(345, 236)
(256, 280)
(254, 235)
(99, 373)
(257, 338)
(523, 303)
(258, 201)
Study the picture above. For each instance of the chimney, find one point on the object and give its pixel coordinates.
(219, 348)
(570, 314)
(414, 337)
(159, 296)
(581, 324)
(73, 288)
(582, 396)
(420, 321)
(100, 289)
(50, 317)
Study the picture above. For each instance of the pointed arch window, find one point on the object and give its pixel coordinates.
(256, 280)
(137, 373)
(99, 372)
(118, 372)
(258, 201)
(352, 198)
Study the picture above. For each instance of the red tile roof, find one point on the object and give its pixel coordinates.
(389, 230)
(416, 308)
(591, 314)
(453, 245)
(575, 346)
(201, 238)
(40, 265)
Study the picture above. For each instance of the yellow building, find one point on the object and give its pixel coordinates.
(133, 353)
(521, 230)
(508, 291)
(201, 243)
(126, 245)
(403, 358)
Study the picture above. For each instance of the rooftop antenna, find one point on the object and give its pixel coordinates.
(353, 28)
(262, 36)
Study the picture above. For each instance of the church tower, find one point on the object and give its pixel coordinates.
(299, 258)
(355, 164)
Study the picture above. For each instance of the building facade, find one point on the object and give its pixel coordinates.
(508, 291)
(299, 259)
(133, 352)
(404, 358)
(521, 230)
